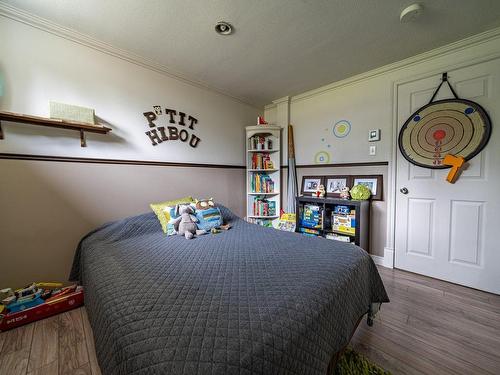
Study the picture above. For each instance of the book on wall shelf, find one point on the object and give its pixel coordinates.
(263, 163)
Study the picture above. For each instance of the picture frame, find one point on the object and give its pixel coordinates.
(373, 182)
(334, 184)
(311, 183)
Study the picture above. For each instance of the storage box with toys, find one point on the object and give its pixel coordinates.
(36, 301)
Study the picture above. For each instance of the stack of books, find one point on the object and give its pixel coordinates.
(263, 222)
(262, 161)
(261, 183)
(311, 217)
(263, 207)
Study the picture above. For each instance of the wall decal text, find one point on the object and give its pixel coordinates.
(159, 134)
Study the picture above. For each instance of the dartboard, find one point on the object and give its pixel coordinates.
(452, 126)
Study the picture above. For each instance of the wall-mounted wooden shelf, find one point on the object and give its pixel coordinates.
(81, 127)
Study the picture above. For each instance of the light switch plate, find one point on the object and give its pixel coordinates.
(373, 150)
(374, 135)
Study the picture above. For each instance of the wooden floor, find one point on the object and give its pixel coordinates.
(433, 327)
(430, 327)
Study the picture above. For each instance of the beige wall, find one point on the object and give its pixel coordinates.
(367, 102)
(46, 207)
(37, 67)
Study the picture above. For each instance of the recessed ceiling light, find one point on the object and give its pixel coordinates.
(411, 12)
(223, 28)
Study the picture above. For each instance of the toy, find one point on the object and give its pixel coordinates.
(344, 193)
(22, 299)
(215, 230)
(261, 121)
(320, 192)
(204, 204)
(185, 223)
(34, 303)
(360, 193)
(456, 163)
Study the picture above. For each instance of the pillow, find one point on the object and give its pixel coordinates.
(208, 218)
(203, 204)
(162, 210)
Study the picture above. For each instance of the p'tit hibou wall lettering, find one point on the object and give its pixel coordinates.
(171, 133)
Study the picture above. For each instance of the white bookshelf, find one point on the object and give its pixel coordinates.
(272, 133)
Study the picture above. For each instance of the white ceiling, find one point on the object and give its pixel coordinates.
(280, 47)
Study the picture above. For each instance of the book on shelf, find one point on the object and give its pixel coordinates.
(312, 216)
(262, 161)
(338, 237)
(344, 220)
(260, 142)
(264, 207)
(263, 222)
(287, 222)
(261, 183)
(309, 232)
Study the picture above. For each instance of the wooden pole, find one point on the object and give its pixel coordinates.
(291, 149)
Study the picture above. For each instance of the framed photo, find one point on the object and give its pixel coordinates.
(373, 182)
(335, 184)
(310, 184)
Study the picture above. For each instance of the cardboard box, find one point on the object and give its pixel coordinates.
(65, 303)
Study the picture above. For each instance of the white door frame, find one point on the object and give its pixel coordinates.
(389, 250)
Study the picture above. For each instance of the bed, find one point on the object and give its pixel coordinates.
(251, 300)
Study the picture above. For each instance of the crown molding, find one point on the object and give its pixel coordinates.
(284, 99)
(19, 15)
(474, 40)
(269, 106)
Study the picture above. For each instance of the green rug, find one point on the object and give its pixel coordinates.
(352, 363)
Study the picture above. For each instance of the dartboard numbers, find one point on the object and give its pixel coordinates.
(445, 127)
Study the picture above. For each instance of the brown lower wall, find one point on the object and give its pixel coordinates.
(47, 206)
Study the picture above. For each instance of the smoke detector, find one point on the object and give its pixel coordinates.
(411, 13)
(223, 28)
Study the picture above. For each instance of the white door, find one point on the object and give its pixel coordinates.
(452, 231)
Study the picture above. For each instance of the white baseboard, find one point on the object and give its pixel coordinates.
(385, 261)
(377, 259)
(388, 257)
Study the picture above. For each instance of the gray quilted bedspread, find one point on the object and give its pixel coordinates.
(251, 300)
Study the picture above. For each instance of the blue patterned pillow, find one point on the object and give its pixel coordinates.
(209, 218)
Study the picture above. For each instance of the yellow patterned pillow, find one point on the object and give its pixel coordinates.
(162, 210)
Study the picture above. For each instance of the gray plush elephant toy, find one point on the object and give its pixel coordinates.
(185, 223)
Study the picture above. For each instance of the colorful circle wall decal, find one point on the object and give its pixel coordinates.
(322, 157)
(342, 128)
(452, 126)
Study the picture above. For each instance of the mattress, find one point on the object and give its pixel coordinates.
(251, 300)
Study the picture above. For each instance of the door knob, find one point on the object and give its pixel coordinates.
(404, 190)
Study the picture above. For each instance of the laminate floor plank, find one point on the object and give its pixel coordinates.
(44, 347)
(17, 339)
(14, 363)
(73, 355)
(89, 339)
(455, 349)
(405, 355)
(441, 307)
(15, 352)
(444, 323)
(49, 369)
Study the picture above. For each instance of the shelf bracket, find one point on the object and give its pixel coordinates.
(83, 141)
(1, 131)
